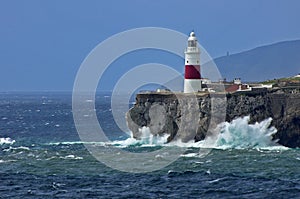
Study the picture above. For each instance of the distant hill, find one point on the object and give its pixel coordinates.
(267, 62)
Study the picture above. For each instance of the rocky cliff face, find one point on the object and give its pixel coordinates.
(187, 117)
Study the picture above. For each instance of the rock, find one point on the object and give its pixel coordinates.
(192, 117)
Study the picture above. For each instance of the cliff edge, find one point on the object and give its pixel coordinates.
(193, 118)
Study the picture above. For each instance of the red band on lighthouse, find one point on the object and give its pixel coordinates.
(192, 72)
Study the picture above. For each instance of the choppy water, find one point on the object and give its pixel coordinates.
(41, 156)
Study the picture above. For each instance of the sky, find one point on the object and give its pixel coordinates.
(43, 43)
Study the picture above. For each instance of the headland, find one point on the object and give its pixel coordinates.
(192, 116)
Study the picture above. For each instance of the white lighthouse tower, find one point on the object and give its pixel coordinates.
(192, 74)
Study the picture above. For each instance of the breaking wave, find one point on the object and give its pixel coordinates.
(238, 134)
(6, 141)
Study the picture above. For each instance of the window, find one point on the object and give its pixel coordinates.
(192, 43)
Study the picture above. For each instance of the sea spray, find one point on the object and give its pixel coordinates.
(149, 138)
(240, 134)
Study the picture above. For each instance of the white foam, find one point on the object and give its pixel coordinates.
(208, 172)
(190, 144)
(189, 155)
(216, 180)
(73, 157)
(238, 134)
(6, 161)
(20, 148)
(6, 141)
(125, 143)
(77, 142)
(149, 138)
(159, 157)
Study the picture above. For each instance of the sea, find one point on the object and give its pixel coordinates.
(43, 156)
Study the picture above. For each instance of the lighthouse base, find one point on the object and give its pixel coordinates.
(192, 85)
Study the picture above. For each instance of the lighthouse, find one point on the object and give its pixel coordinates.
(192, 74)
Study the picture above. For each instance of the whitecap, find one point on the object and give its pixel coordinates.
(171, 171)
(214, 181)
(73, 157)
(20, 148)
(6, 141)
(199, 162)
(189, 155)
(6, 161)
(77, 142)
(208, 172)
(159, 157)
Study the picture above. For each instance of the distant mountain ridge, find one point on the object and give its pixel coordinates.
(262, 63)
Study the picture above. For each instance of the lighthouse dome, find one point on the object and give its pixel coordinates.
(192, 34)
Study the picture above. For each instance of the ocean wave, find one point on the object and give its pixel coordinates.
(20, 148)
(238, 134)
(6, 161)
(76, 143)
(6, 141)
(189, 155)
(72, 157)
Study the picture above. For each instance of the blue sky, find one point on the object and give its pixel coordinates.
(43, 43)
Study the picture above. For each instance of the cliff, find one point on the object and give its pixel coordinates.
(187, 117)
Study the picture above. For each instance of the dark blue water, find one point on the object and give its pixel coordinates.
(41, 157)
